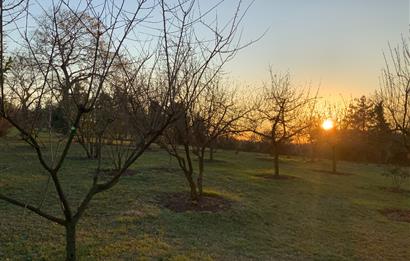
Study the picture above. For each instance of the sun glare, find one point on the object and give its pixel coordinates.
(327, 124)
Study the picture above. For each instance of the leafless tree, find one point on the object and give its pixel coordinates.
(215, 113)
(281, 113)
(395, 90)
(76, 46)
(313, 135)
(73, 63)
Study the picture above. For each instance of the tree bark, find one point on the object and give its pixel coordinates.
(97, 149)
(200, 174)
(71, 254)
(192, 186)
(85, 147)
(276, 162)
(194, 192)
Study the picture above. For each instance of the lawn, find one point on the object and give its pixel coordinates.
(316, 216)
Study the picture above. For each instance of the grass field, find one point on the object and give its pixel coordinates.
(316, 216)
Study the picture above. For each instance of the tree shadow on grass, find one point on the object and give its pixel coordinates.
(214, 161)
(276, 177)
(337, 173)
(161, 169)
(80, 158)
(181, 202)
(113, 172)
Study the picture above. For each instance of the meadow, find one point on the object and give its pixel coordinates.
(315, 216)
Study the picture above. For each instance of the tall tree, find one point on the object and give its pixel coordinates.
(380, 133)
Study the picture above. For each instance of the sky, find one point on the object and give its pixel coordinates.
(338, 44)
(335, 44)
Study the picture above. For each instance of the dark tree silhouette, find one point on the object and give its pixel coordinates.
(282, 112)
(395, 90)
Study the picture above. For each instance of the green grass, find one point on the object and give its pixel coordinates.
(314, 217)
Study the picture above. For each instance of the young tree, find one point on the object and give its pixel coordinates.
(73, 64)
(333, 135)
(282, 112)
(93, 126)
(313, 135)
(215, 113)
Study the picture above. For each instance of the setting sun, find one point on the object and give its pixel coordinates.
(327, 124)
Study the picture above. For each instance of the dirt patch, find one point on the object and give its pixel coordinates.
(337, 173)
(277, 177)
(396, 214)
(395, 190)
(111, 172)
(181, 202)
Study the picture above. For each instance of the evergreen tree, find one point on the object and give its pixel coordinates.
(360, 114)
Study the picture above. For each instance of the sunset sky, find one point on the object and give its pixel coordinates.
(338, 43)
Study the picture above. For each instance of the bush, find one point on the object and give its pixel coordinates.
(397, 174)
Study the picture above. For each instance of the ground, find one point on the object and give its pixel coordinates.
(315, 216)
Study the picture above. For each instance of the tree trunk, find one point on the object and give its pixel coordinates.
(200, 174)
(92, 149)
(97, 149)
(192, 186)
(276, 162)
(211, 153)
(85, 147)
(194, 192)
(71, 254)
(334, 158)
(313, 152)
(99, 156)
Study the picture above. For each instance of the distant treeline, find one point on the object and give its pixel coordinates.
(363, 135)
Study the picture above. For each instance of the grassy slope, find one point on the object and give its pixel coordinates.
(317, 216)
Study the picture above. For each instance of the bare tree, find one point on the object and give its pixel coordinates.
(313, 135)
(337, 113)
(76, 48)
(215, 113)
(395, 90)
(73, 63)
(282, 112)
